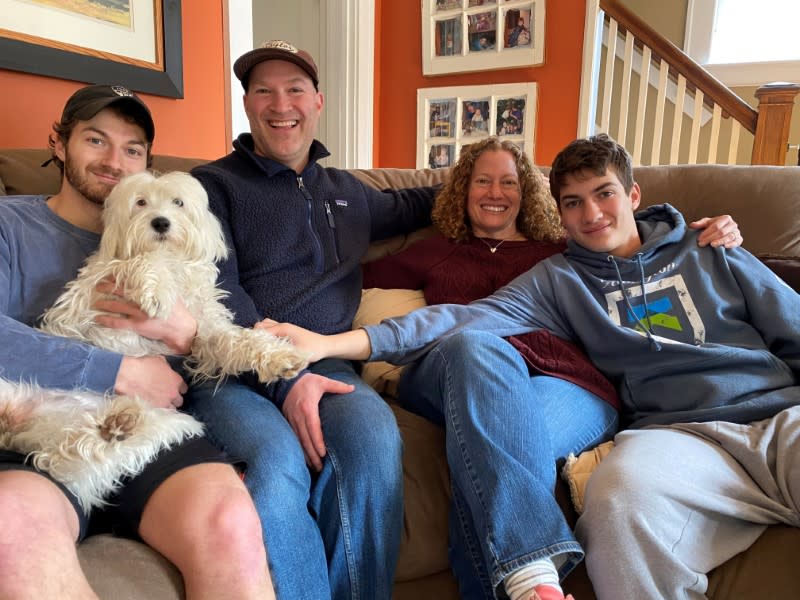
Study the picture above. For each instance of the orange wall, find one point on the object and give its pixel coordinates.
(192, 126)
(399, 63)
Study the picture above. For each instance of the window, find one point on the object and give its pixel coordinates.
(745, 43)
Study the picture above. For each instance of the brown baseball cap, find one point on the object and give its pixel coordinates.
(275, 50)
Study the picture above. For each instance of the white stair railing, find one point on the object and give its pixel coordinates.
(651, 97)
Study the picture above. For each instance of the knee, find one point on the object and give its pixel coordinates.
(618, 494)
(34, 517)
(371, 445)
(477, 351)
(233, 530)
(31, 502)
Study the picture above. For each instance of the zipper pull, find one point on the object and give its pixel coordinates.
(329, 214)
(302, 188)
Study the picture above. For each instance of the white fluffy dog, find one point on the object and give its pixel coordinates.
(160, 243)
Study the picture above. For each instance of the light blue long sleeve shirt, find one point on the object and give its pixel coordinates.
(39, 253)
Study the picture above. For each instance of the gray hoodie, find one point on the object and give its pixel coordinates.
(685, 333)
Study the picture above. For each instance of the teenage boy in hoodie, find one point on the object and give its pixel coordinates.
(703, 344)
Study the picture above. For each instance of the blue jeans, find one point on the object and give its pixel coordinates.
(504, 431)
(335, 534)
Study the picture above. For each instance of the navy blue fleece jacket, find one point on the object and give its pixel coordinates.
(297, 240)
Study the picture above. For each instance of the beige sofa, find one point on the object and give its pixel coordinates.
(766, 203)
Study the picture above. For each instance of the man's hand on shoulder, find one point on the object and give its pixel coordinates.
(177, 331)
(151, 379)
(718, 231)
(301, 409)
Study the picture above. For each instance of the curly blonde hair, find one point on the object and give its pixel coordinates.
(538, 217)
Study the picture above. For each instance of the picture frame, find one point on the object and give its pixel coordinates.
(449, 118)
(478, 35)
(43, 53)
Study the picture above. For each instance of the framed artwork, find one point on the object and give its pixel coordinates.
(136, 43)
(476, 35)
(450, 118)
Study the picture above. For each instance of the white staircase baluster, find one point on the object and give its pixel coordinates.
(658, 123)
(611, 56)
(695, 134)
(625, 91)
(641, 108)
(677, 121)
(713, 140)
(733, 153)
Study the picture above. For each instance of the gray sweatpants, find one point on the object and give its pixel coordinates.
(669, 504)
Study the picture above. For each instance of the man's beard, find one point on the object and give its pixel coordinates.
(79, 180)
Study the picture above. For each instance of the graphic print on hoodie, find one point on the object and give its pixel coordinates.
(669, 314)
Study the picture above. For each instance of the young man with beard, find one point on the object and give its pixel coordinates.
(189, 503)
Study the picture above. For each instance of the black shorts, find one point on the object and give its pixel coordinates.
(124, 510)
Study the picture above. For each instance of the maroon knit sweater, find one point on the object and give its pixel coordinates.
(453, 273)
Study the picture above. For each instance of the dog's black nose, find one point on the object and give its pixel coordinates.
(160, 224)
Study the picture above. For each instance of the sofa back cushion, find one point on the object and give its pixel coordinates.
(764, 200)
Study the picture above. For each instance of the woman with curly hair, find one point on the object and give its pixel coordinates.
(495, 219)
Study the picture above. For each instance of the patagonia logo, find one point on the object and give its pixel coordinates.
(341, 203)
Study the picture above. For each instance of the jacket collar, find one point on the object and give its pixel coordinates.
(245, 146)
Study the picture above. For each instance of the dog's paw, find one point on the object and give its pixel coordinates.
(280, 364)
(118, 426)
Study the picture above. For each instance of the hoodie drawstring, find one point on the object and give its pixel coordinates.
(649, 329)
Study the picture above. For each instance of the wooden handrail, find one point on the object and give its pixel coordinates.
(694, 73)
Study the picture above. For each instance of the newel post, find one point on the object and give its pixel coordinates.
(775, 105)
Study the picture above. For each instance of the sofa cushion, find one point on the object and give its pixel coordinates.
(377, 305)
(426, 497)
(785, 267)
(21, 172)
(426, 477)
(124, 569)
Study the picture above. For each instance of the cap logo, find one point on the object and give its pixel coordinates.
(280, 45)
(120, 90)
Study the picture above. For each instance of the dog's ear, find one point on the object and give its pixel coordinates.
(116, 241)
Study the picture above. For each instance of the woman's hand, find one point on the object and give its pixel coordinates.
(304, 340)
(352, 345)
(718, 231)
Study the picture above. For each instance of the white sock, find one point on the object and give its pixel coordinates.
(520, 583)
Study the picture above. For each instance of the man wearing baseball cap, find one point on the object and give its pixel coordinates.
(298, 232)
(188, 503)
